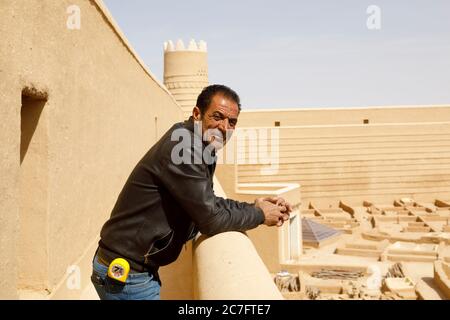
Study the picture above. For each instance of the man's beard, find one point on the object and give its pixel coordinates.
(215, 138)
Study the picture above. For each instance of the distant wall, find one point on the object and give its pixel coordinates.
(88, 110)
(378, 162)
(338, 116)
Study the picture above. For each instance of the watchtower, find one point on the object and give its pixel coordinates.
(185, 72)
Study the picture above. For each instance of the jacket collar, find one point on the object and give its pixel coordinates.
(190, 125)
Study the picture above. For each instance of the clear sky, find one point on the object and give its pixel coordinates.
(293, 53)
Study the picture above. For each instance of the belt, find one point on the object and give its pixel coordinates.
(106, 256)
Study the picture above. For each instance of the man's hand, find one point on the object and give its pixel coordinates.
(285, 207)
(276, 210)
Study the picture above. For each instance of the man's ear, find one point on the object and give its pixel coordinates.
(196, 114)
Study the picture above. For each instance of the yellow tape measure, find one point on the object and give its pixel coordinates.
(119, 270)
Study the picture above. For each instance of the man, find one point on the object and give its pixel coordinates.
(169, 198)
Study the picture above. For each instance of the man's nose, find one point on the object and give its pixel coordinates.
(224, 125)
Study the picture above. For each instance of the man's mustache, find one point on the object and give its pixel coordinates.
(215, 135)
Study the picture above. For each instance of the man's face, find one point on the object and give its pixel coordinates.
(219, 120)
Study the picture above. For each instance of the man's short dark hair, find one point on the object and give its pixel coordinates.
(205, 98)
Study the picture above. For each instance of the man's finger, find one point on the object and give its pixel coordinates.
(289, 207)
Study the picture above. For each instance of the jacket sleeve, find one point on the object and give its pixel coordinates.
(191, 187)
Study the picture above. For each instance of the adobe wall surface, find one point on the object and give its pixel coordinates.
(103, 111)
(177, 277)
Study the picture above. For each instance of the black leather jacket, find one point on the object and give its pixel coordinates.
(163, 205)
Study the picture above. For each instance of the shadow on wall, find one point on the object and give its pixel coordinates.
(33, 103)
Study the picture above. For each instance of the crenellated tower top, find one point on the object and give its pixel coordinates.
(179, 46)
(185, 71)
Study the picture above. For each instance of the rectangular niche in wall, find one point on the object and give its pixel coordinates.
(33, 225)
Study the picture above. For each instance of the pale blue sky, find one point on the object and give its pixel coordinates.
(291, 53)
